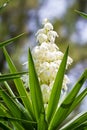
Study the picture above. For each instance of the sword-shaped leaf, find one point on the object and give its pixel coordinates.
(15, 110)
(61, 113)
(81, 13)
(76, 122)
(10, 40)
(56, 90)
(15, 119)
(35, 90)
(4, 77)
(3, 126)
(77, 101)
(19, 85)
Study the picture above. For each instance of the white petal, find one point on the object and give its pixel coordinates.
(48, 26)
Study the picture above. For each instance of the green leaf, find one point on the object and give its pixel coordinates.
(76, 122)
(3, 110)
(9, 90)
(42, 124)
(36, 95)
(3, 126)
(82, 126)
(17, 126)
(5, 77)
(10, 40)
(81, 13)
(14, 108)
(56, 90)
(11, 104)
(77, 101)
(14, 119)
(19, 85)
(12, 94)
(61, 113)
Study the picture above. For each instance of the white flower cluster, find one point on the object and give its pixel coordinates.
(47, 58)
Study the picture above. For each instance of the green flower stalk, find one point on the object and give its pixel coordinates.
(47, 59)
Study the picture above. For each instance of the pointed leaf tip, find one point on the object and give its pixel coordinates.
(81, 13)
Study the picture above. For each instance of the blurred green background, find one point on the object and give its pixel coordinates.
(18, 16)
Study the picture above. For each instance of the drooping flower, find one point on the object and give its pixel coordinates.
(47, 58)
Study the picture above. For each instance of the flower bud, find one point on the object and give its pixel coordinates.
(48, 26)
(41, 38)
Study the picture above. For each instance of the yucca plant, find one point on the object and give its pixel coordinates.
(42, 107)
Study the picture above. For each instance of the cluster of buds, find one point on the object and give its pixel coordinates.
(47, 58)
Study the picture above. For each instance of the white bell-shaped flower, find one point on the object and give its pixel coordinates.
(47, 59)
